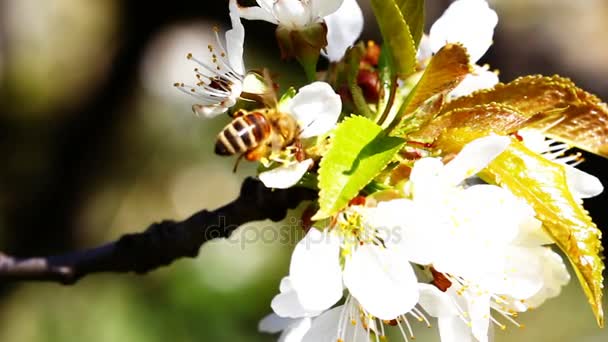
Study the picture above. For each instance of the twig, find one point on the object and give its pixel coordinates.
(160, 244)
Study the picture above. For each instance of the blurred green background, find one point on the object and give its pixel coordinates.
(95, 142)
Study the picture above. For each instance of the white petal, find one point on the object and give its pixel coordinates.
(479, 310)
(284, 177)
(296, 331)
(435, 302)
(382, 281)
(323, 8)
(292, 13)
(405, 226)
(317, 108)
(235, 39)
(426, 180)
(325, 328)
(481, 78)
(582, 184)
(315, 271)
(210, 111)
(273, 324)
(454, 329)
(253, 83)
(257, 13)
(519, 277)
(266, 4)
(474, 157)
(469, 22)
(343, 28)
(424, 49)
(287, 304)
(555, 276)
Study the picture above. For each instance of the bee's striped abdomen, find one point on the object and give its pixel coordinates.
(242, 134)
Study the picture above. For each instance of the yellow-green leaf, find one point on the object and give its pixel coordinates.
(584, 126)
(530, 95)
(358, 152)
(456, 128)
(542, 183)
(396, 35)
(447, 69)
(568, 113)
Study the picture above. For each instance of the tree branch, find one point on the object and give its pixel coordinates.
(160, 244)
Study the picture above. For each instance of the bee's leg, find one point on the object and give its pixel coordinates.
(299, 150)
(238, 161)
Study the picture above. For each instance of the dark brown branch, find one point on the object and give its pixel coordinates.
(160, 244)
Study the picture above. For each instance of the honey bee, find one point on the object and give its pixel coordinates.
(257, 134)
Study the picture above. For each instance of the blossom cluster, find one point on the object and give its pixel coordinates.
(442, 192)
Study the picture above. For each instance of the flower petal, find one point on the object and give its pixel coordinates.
(273, 324)
(315, 271)
(323, 8)
(555, 276)
(475, 156)
(456, 26)
(210, 111)
(235, 39)
(284, 177)
(454, 329)
(426, 180)
(296, 331)
(481, 78)
(344, 27)
(582, 184)
(479, 311)
(520, 275)
(287, 304)
(317, 108)
(325, 328)
(292, 13)
(435, 302)
(258, 13)
(405, 226)
(382, 281)
(424, 49)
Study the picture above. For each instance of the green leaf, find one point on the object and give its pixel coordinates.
(413, 13)
(358, 152)
(542, 183)
(396, 35)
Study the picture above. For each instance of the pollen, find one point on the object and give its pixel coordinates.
(189, 55)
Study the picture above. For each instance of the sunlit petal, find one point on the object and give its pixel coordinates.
(343, 28)
(315, 272)
(317, 108)
(284, 177)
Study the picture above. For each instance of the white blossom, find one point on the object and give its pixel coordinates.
(316, 107)
(470, 23)
(344, 19)
(222, 79)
